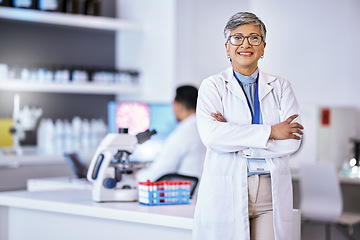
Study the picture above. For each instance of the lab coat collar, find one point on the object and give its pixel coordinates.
(264, 84)
(233, 85)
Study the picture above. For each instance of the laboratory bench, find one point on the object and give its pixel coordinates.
(67, 213)
(71, 214)
(349, 187)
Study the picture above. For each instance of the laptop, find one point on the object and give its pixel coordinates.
(77, 165)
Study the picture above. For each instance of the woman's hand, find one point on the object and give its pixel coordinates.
(287, 129)
(218, 117)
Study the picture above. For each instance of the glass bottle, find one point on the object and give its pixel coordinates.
(71, 6)
(92, 7)
(30, 4)
(49, 5)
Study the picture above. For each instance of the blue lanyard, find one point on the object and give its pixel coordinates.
(255, 117)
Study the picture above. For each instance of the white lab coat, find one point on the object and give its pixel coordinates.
(222, 204)
(183, 153)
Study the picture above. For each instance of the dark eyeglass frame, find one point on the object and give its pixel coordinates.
(231, 37)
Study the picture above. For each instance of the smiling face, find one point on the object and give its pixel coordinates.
(244, 58)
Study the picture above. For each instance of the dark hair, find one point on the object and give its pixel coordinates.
(187, 95)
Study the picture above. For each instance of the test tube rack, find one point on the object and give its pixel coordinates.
(164, 192)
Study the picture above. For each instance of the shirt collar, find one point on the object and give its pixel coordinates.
(247, 79)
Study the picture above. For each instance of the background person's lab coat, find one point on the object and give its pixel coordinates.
(222, 203)
(183, 153)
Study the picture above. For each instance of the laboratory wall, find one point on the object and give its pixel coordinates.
(200, 40)
(314, 45)
(152, 49)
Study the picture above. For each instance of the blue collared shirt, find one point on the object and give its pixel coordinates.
(248, 84)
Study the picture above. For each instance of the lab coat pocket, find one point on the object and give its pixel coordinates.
(218, 207)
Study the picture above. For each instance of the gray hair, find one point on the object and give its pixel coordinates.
(242, 18)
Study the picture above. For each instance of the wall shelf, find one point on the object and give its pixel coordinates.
(67, 19)
(78, 88)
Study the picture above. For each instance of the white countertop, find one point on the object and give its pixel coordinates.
(57, 183)
(79, 202)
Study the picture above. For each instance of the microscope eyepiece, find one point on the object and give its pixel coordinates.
(144, 136)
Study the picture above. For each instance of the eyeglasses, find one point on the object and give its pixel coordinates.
(253, 40)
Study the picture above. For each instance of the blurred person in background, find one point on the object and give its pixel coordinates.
(183, 152)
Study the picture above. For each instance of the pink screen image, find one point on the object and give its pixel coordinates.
(134, 116)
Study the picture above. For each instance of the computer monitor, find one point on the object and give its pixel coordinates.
(138, 117)
(132, 115)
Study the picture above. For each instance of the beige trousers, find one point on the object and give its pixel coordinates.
(260, 207)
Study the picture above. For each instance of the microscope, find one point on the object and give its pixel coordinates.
(110, 169)
(24, 120)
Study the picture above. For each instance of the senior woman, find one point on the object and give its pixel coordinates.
(249, 122)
